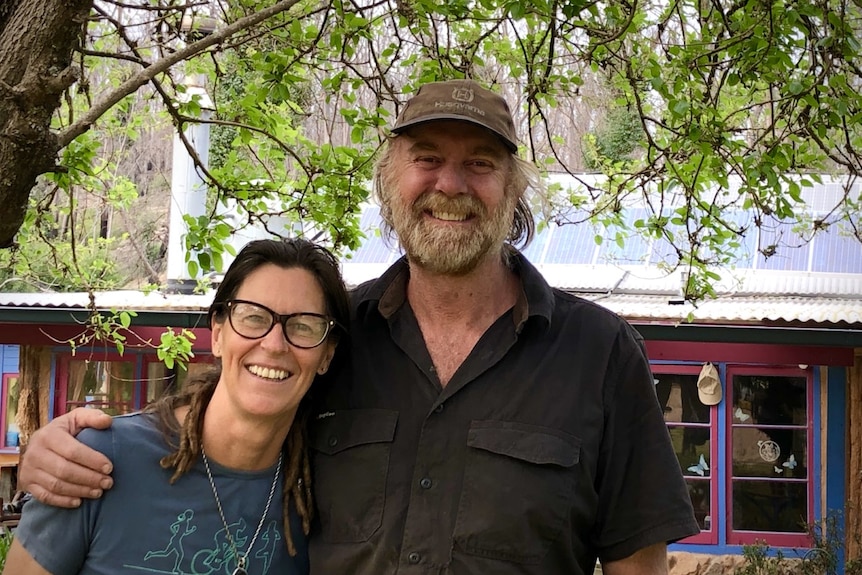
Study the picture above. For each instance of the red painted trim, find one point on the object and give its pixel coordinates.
(748, 353)
(61, 384)
(3, 406)
(709, 537)
(55, 334)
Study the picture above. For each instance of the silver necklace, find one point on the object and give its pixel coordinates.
(241, 558)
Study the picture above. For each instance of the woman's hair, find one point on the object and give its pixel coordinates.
(290, 253)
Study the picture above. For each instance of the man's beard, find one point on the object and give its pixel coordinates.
(456, 249)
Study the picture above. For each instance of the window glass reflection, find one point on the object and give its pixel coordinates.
(778, 506)
(769, 400)
(107, 385)
(770, 452)
(677, 395)
(699, 492)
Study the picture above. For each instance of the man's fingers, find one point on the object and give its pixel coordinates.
(72, 461)
(77, 482)
(56, 500)
(82, 418)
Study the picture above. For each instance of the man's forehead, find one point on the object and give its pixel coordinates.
(436, 136)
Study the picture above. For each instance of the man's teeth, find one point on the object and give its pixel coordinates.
(450, 217)
(267, 372)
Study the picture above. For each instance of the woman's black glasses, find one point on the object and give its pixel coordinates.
(253, 321)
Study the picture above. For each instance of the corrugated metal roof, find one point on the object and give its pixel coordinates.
(733, 309)
(652, 280)
(119, 299)
(639, 294)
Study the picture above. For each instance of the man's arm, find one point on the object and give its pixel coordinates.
(58, 469)
(650, 560)
(19, 562)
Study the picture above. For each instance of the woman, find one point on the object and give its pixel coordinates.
(224, 463)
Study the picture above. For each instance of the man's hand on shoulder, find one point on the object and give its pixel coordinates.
(60, 470)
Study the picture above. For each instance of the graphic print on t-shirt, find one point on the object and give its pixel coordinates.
(178, 557)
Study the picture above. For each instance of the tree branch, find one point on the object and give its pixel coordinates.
(147, 74)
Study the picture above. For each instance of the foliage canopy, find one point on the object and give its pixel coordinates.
(670, 100)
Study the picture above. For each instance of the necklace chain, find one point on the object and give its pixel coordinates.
(241, 557)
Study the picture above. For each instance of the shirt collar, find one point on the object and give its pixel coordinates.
(536, 299)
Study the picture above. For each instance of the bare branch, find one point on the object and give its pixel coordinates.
(147, 74)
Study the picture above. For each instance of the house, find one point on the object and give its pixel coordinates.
(775, 453)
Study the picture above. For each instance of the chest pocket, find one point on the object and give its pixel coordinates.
(350, 460)
(519, 483)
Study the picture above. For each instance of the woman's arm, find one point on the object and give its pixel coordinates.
(19, 562)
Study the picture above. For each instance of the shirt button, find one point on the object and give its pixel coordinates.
(438, 409)
(413, 558)
(425, 483)
(333, 441)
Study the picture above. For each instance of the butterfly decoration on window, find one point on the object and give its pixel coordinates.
(741, 415)
(701, 468)
(789, 464)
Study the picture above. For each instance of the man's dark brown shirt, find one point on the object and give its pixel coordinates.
(546, 449)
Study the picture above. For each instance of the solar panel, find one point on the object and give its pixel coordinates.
(570, 244)
(782, 247)
(788, 249)
(838, 251)
(536, 250)
(635, 248)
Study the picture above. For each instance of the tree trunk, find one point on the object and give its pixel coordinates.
(37, 40)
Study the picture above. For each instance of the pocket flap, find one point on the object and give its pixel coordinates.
(335, 431)
(533, 444)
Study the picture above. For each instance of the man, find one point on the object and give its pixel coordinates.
(488, 423)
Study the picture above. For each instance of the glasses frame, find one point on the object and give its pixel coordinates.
(279, 319)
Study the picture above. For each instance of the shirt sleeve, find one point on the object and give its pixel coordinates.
(643, 498)
(59, 539)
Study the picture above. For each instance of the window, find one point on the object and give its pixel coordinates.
(692, 431)
(746, 461)
(161, 380)
(106, 384)
(11, 392)
(117, 384)
(769, 485)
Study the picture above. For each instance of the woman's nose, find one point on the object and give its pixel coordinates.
(275, 339)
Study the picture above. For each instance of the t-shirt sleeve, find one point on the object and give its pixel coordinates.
(643, 498)
(59, 539)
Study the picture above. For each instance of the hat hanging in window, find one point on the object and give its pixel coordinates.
(708, 385)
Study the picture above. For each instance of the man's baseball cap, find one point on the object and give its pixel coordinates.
(463, 100)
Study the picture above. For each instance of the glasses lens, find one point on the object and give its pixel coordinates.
(306, 330)
(250, 320)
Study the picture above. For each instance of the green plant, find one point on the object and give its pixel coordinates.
(5, 544)
(759, 562)
(821, 559)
